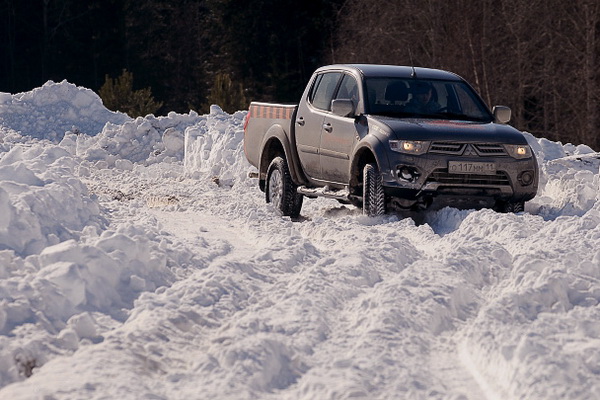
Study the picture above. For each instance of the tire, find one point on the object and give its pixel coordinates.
(281, 191)
(510, 206)
(514, 207)
(373, 195)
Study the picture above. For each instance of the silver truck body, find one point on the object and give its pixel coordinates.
(453, 151)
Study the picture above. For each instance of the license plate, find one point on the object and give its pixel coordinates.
(462, 167)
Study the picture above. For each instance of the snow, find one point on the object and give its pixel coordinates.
(139, 260)
(55, 108)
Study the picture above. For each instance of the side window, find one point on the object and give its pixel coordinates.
(323, 90)
(348, 89)
(313, 90)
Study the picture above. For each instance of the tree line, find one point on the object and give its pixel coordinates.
(541, 58)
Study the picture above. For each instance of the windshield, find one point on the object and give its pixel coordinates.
(420, 98)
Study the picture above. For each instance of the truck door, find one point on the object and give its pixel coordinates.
(339, 137)
(309, 121)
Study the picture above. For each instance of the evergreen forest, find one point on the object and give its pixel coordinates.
(539, 57)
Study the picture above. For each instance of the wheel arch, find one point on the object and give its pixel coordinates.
(276, 142)
(364, 155)
(271, 148)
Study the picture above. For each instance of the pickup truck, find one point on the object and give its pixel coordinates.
(389, 138)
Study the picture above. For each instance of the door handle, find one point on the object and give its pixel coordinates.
(328, 127)
(300, 121)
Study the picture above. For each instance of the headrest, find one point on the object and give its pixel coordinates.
(396, 91)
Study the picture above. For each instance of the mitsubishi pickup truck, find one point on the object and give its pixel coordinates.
(389, 138)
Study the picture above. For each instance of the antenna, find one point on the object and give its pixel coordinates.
(414, 73)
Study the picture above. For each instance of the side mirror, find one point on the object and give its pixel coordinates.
(343, 107)
(501, 114)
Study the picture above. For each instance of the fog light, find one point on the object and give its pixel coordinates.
(406, 173)
(526, 178)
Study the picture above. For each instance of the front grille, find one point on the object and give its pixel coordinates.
(490, 149)
(442, 176)
(477, 149)
(447, 148)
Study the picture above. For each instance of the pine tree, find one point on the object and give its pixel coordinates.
(229, 96)
(118, 95)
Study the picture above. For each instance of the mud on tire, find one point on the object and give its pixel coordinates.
(281, 190)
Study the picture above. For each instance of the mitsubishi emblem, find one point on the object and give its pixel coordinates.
(470, 151)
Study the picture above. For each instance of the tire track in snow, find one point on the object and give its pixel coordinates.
(389, 302)
(216, 316)
(370, 289)
(244, 344)
(320, 324)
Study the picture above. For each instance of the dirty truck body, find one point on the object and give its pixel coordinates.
(357, 136)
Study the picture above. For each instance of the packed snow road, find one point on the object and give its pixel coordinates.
(132, 270)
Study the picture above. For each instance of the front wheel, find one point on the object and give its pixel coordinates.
(373, 195)
(510, 206)
(281, 191)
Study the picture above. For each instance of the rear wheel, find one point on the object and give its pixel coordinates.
(373, 196)
(281, 191)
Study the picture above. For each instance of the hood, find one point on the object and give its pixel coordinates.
(450, 130)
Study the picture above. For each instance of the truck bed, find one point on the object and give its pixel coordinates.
(261, 118)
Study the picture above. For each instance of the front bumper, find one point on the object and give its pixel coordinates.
(428, 175)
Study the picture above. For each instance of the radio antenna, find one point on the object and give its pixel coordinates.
(414, 73)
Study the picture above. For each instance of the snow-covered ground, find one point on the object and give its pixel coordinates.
(139, 261)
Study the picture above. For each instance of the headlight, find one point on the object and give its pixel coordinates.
(518, 150)
(409, 146)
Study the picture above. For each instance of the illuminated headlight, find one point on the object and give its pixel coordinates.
(518, 150)
(409, 146)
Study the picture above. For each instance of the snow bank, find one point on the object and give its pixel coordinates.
(546, 150)
(55, 108)
(210, 145)
(59, 260)
(65, 274)
(147, 140)
(214, 147)
(569, 179)
(36, 187)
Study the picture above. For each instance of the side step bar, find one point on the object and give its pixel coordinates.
(342, 195)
